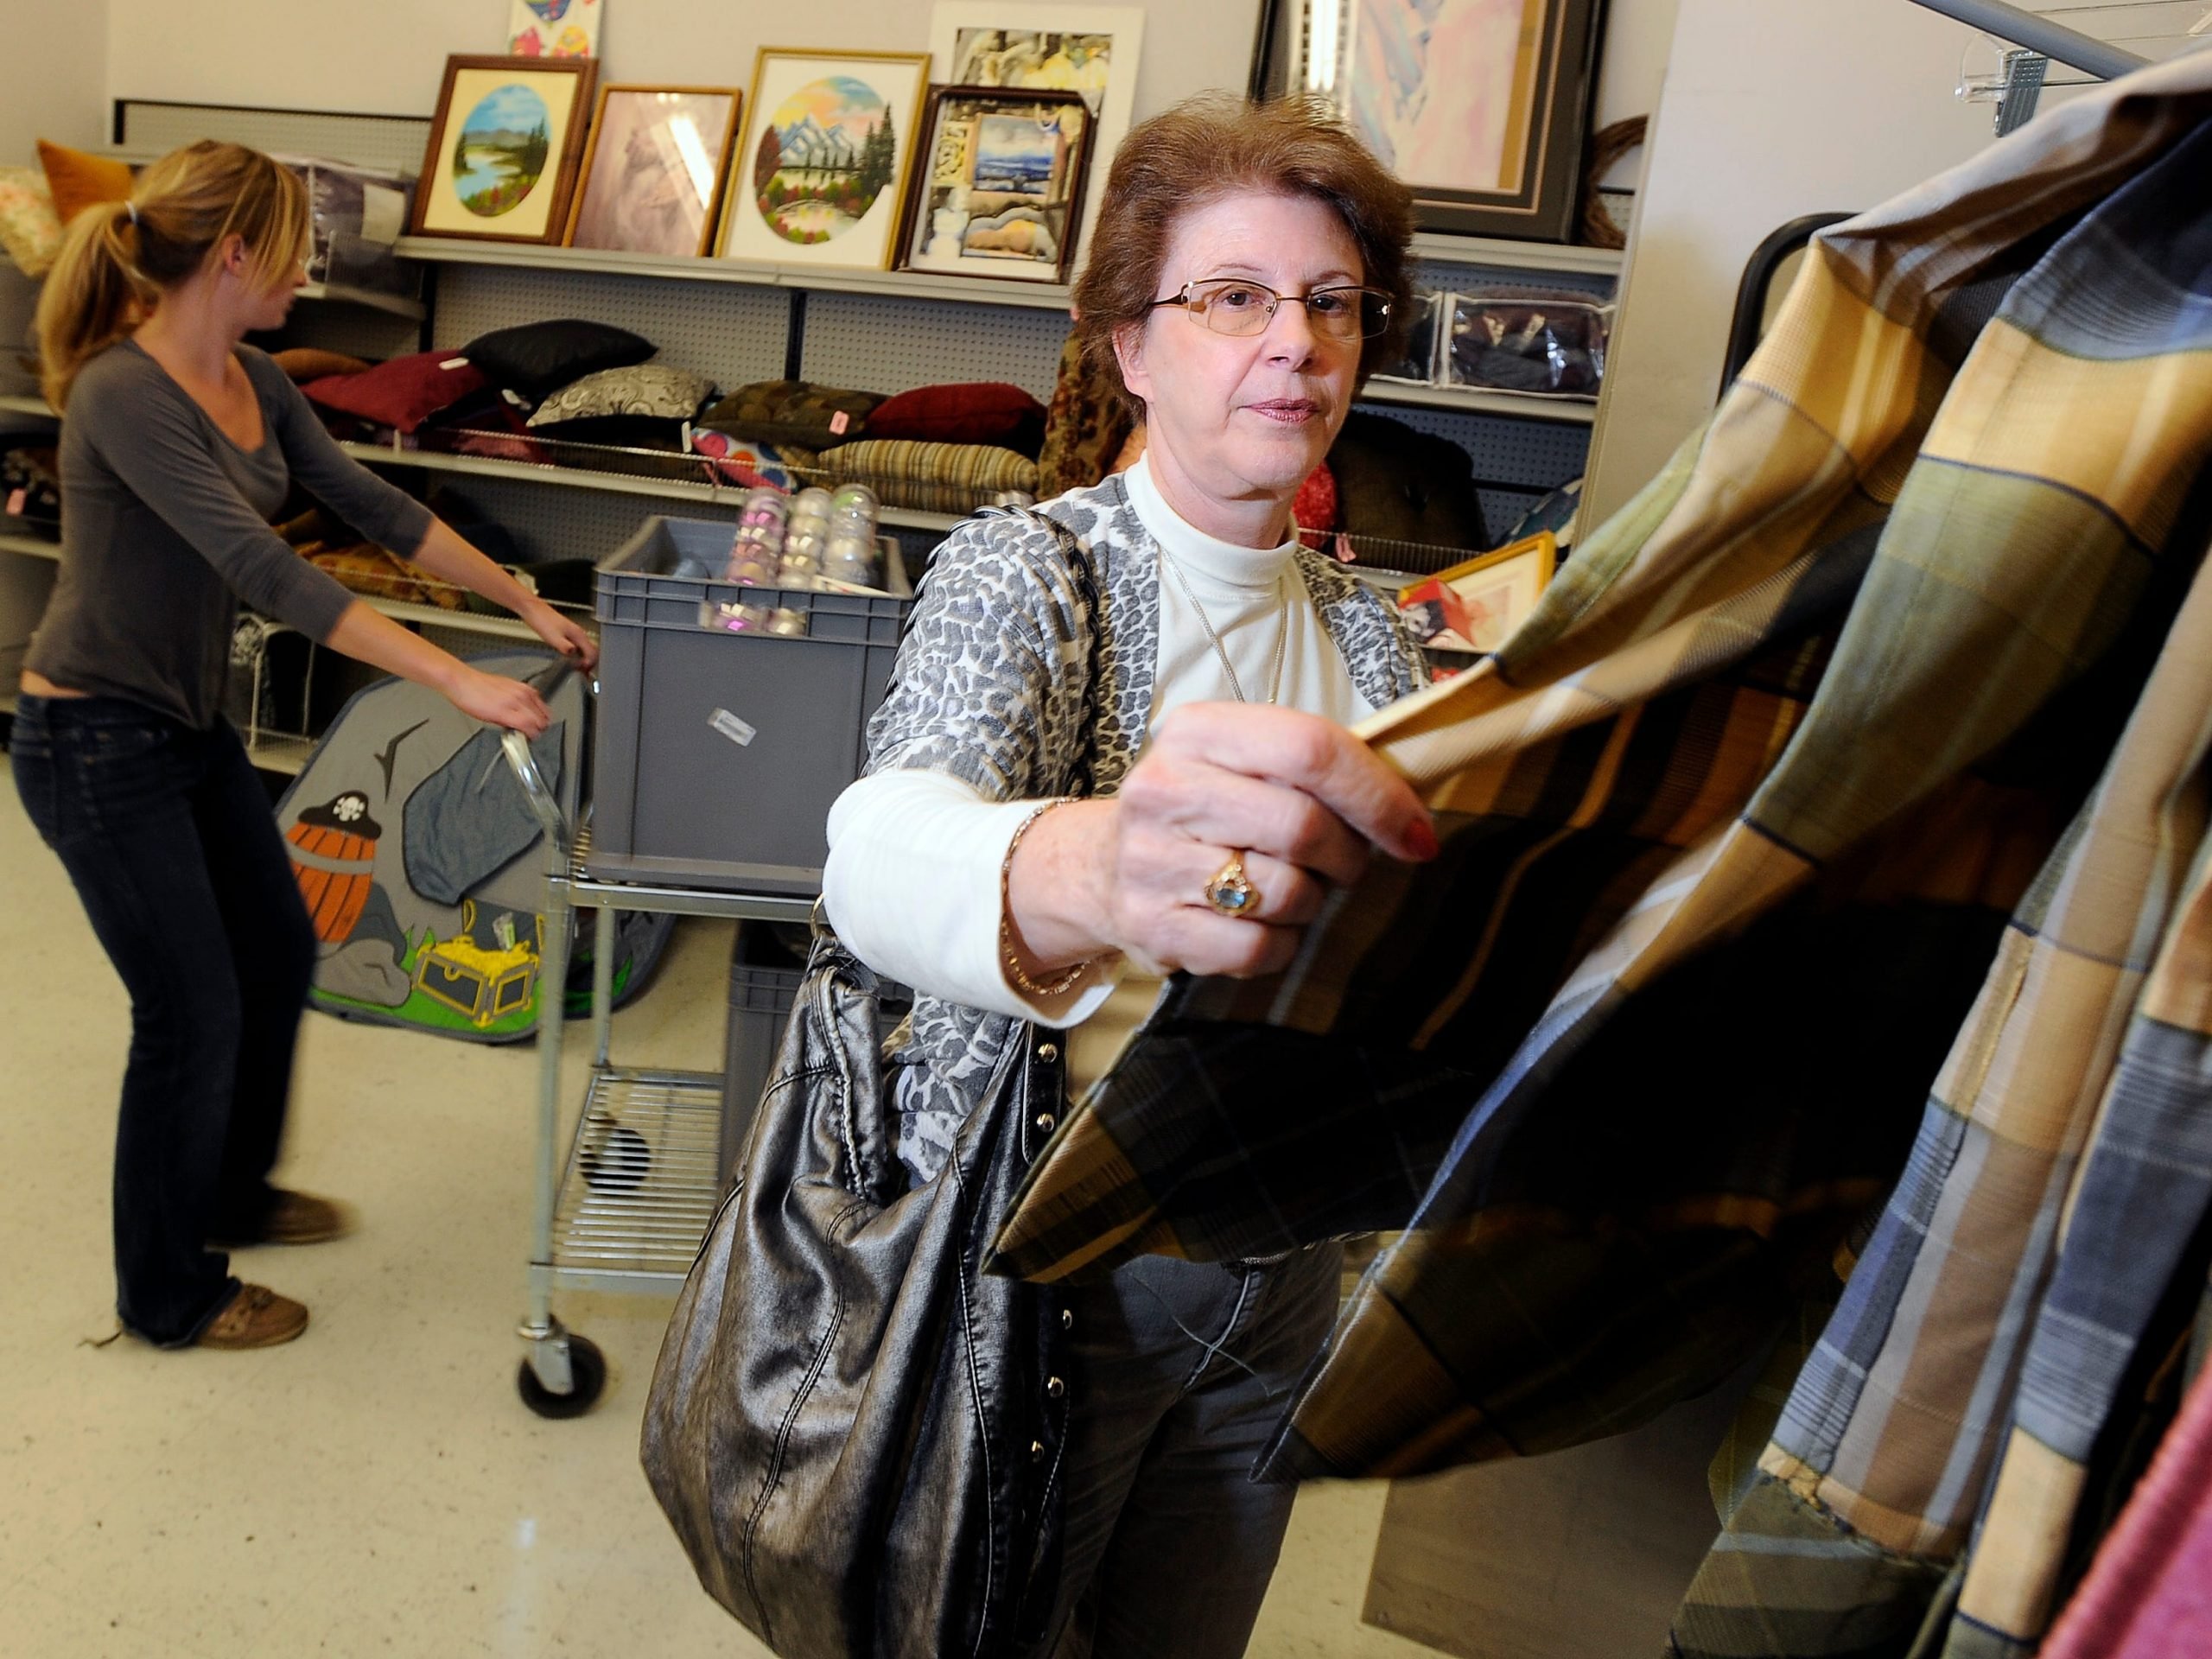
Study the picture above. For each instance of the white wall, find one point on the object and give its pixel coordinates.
(1770, 110)
(56, 60)
(386, 59)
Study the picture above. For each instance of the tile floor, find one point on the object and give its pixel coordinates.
(377, 1487)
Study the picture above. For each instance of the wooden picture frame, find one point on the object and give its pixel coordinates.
(819, 176)
(1482, 108)
(514, 181)
(1039, 185)
(673, 171)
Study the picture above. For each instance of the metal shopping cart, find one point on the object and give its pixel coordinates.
(627, 1207)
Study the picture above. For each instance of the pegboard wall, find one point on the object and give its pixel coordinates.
(894, 345)
(729, 330)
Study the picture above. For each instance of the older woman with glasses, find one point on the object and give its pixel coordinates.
(1248, 268)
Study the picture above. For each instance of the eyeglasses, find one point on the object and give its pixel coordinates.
(1229, 305)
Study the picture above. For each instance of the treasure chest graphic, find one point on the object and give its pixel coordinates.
(333, 854)
(483, 974)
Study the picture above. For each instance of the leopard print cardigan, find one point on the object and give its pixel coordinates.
(991, 686)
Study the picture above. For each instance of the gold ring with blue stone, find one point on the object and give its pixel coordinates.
(1231, 892)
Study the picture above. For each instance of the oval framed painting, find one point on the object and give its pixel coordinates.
(823, 166)
(506, 148)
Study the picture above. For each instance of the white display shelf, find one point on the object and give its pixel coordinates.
(1494, 253)
(30, 402)
(584, 478)
(506, 628)
(341, 294)
(1479, 400)
(898, 284)
(33, 547)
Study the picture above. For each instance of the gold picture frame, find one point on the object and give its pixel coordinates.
(674, 164)
(819, 176)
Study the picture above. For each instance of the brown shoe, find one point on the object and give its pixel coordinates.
(295, 1219)
(256, 1317)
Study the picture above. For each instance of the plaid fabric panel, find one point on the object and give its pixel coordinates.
(2017, 559)
(2061, 1170)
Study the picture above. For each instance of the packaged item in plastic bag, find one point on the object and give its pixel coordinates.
(1522, 341)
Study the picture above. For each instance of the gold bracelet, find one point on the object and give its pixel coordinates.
(1022, 982)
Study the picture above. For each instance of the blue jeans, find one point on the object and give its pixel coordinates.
(167, 835)
(1181, 1371)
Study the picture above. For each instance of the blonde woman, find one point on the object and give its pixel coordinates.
(178, 443)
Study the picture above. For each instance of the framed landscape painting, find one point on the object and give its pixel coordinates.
(998, 184)
(1092, 50)
(506, 147)
(1482, 107)
(821, 170)
(653, 173)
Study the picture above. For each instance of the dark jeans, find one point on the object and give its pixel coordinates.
(168, 835)
(1181, 1371)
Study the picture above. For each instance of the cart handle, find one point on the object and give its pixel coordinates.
(541, 799)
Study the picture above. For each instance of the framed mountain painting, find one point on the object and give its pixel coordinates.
(821, 171)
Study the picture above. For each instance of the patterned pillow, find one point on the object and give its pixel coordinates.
(30, 230)
(932, 477)
(793, 411)
(657, 389)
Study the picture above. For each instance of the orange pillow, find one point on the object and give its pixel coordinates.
(79, 180)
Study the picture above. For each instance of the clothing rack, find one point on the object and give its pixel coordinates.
(2042, 36)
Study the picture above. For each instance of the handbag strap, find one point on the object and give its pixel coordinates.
(1081, 779)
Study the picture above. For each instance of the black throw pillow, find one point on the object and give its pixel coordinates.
(539, 359)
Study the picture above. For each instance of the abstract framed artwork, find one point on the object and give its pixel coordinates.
(998, 182)
(820, 173)
(654, 169)
(1093, 50)
(1482, 107)
(553, 28)
(506, 148)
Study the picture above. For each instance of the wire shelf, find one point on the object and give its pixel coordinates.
(643, 1178)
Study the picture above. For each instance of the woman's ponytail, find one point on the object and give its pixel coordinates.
(92, 295)
(117, 258)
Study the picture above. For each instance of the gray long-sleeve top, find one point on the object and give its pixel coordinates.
(165, 528)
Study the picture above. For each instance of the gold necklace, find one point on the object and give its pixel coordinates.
(1283, 640)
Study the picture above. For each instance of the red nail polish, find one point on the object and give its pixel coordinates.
(1422, 836)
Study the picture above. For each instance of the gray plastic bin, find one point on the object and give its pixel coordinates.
(764, 981)
(716, 755)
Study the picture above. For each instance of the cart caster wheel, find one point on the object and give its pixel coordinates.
(589, 1367)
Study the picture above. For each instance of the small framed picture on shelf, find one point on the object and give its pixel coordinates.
(653, 171)
(506, 147)
(821, 171)
(1026, 46)
(1481, 107)
(998, 189)
(1476, 607)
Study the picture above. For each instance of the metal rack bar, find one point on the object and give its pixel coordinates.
(2039, 34)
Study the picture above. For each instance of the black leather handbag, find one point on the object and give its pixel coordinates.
(856, 1434)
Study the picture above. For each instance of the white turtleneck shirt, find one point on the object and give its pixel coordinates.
(912, 884)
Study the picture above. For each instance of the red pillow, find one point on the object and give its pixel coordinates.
(403, 393)
(984, 411)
